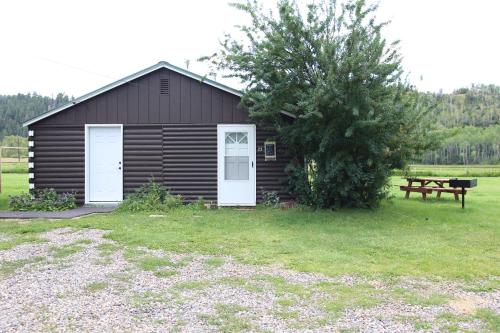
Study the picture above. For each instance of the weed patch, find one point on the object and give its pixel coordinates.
(228, 318)
(147, 298)
(338, 297)
(8, 268)
(96, 286)
(283, 287)
(416, 322)
(153, 263)
(214, 262)
(192, 285)
(107, 249)
(18, 240)
(65, 251)
(420, 298)
(286, 314)
(165, 273)
(490, 318)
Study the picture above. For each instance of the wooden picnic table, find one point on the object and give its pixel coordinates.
(427, 185)
(426, 181)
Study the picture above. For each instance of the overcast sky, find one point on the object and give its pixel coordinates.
(78, 46)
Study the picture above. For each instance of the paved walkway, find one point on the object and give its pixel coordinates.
(67, 214)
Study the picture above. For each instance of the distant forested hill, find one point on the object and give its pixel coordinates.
(15, 109)
(468, 122)
(469, 126)
(478, 105)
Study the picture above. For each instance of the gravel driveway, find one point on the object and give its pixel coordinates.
(78, 280)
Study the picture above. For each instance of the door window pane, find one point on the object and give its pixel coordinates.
(236, 160)
(231, 137)
(236, 167)
(242, 138)
(243, 168)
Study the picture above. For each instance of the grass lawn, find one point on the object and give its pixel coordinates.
(12, 183)
(435, 239)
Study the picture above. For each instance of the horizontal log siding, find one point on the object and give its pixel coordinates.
(182, 157)
(59, 159)
(271, 175)
(190, 160)
(142, 156)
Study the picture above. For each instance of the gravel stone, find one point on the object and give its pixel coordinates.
(89, 290)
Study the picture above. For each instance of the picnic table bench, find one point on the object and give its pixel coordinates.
(428, 185)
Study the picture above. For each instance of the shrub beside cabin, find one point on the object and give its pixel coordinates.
(186, 131)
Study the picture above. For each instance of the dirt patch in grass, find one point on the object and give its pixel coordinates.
(467, 304)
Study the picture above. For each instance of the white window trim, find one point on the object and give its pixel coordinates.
(87, 178)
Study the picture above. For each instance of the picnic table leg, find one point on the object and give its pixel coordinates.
(439, 184)
(424, 195)
(408, 192)
(456, 196)
(463, 198)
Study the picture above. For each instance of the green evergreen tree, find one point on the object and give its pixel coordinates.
(15, 109)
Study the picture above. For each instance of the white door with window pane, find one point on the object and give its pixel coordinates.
(236, 165)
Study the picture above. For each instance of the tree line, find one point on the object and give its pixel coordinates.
(16, 109)
(467, 122)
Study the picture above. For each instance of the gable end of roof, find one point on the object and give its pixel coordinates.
(161, 64)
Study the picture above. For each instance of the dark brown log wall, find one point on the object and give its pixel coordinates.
(182, 157)
(142, 156)
(59, 159)
(190, 160)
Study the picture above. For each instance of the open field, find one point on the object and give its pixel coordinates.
(407, 266)
(453, 170)
(13, 166)
(12, 184)
(14, 160)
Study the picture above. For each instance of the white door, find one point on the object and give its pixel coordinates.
(104, 164)
(236, 165)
